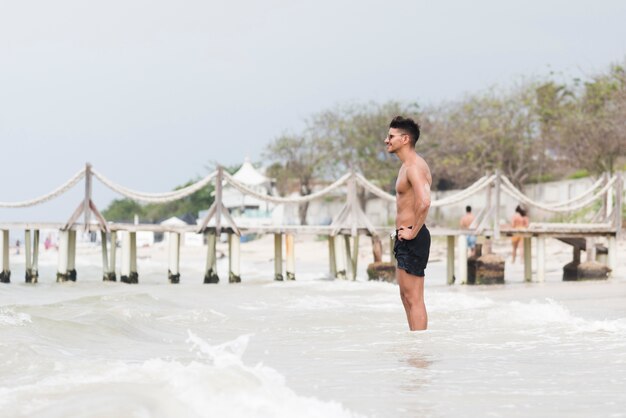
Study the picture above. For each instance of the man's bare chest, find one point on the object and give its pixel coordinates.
(402, 185)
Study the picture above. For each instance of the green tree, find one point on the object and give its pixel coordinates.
(497, 129)
(592, 135)
(123, 210)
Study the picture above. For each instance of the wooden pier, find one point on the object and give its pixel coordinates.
(343, 234)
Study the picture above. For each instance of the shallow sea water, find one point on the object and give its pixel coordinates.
(313, 347)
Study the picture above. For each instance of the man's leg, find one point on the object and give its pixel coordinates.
(412, 295)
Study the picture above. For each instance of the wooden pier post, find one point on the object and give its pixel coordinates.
(234, 275)
(290, 250)
(129, 258)
(619, 193)
(5, 274)
(112, 258)
(496, 213)
(348, 257)
(71, 255)
(27, 255)
(450, 260)
(31, 253)
(351, 255)
(278, 257)
(62, 273)
(331, 256)
(106, 266)
(591, 249)
(211, 259)
(134, 276)
(462, 255)
(392, 255)
(528, 264)
(355, 256)
(340, 257)
(612, 256)
(173, 273)
(28, 260)
(541, 258)
(125, 271)
(35, 258)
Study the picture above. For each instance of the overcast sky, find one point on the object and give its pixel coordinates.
(150, 92)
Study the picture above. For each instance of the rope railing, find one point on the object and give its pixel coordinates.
(478, 186)
(581, 196)
(512, 191)
(49, 196)
(275, 199)
(155, 197)
(595, 192)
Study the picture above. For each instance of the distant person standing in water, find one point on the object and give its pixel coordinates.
(465, 223)
(519, 221)
(412, 245)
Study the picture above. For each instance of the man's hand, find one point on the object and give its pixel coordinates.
(407, 233)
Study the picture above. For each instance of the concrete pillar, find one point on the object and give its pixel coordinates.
(5, 273)
(290, 249)
(173, 273)
(234, 275)
(450, 259)
(211, 259)
(278, 257)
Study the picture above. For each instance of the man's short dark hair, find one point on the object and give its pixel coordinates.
(407, 125)
(468, 209)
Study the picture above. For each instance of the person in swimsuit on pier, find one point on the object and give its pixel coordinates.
(465, 223)
(412, 245)
(519, 221)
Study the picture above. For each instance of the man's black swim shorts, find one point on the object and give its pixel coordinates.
(412, 255)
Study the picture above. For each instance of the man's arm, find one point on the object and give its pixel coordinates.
(421, 192)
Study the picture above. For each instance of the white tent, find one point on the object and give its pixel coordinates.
(248, 175)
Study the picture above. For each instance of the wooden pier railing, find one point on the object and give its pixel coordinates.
(343, 234)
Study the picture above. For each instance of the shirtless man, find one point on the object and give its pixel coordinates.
(412, 245)
(465, 223)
